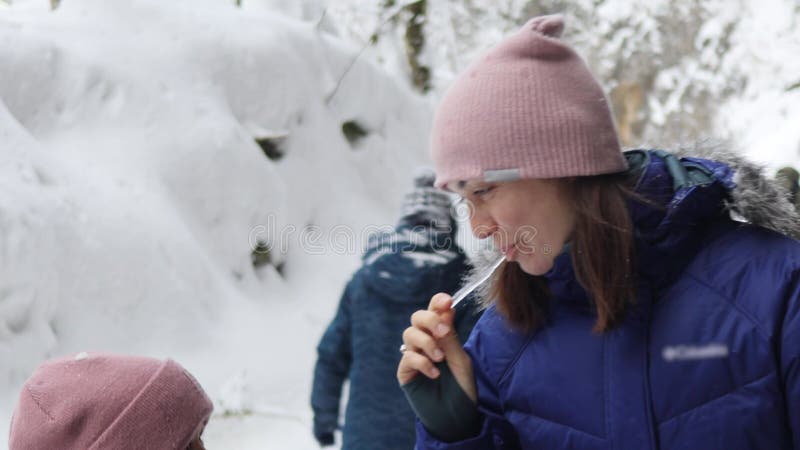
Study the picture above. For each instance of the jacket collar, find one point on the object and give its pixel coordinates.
(680, 201)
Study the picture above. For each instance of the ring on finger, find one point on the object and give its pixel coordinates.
(403, 348)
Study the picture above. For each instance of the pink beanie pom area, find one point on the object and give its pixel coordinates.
(102, 401)
(529, 108)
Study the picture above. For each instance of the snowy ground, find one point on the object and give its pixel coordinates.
(132, 188)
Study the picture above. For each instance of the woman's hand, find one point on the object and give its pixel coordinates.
(430, 339)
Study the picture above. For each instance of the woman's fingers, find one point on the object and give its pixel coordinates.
(457, 359)
(441, 305)
(431, 338)
(438, 319)
(413, 363)
(422, 342)
(432, 323)
(446, 337)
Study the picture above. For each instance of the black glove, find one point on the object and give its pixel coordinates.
(443, 407)
(324, 437)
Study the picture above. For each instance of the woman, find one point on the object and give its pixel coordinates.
(632, 312)
(100, 401)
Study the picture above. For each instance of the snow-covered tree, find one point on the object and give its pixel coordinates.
(668, 66)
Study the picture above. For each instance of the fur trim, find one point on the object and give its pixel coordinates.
(757, 198)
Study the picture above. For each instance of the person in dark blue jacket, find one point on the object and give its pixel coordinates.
(401, 269)
(649, 300)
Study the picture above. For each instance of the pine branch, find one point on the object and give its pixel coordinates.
(392, 14)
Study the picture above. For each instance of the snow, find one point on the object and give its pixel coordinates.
(132, 188)
(765, 120)
(430, 259)
(762, 122)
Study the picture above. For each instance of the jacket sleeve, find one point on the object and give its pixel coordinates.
(333, 364)
(495, 432)
(790, 358)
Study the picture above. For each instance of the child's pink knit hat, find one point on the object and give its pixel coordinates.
(529, 108)
(109, 402)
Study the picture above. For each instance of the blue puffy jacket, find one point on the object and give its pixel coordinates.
(707, 359)
(401, 270)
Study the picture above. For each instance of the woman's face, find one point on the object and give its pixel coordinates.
(528, 220)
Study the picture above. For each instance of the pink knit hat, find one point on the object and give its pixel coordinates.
(529, 108)
(102, 401)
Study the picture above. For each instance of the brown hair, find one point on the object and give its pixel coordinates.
(602, 239)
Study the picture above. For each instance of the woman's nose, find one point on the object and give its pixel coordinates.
(482, 224)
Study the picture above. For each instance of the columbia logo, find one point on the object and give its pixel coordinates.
(694, 352)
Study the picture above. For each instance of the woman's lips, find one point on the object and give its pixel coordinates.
(509, 252)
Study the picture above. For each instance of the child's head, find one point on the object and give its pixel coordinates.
(101, 401)
(425, 205)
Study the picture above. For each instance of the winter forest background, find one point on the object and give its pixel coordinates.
(195, 178)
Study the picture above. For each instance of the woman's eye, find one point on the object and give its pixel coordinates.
(482, 191)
